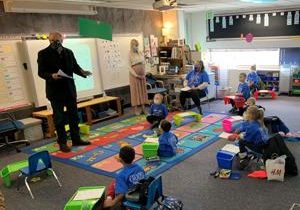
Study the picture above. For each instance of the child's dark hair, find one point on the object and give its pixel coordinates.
(127, 154)
(165, 125)
(243, 74)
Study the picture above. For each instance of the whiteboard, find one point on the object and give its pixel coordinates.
(116, 74)
(13, 90)
(83, 49)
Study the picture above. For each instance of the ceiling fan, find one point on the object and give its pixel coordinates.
(171, 4)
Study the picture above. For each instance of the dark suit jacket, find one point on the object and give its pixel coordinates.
(49, 62)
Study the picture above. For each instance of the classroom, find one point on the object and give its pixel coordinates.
(149, 104)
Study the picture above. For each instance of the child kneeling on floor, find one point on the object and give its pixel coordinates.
(167, 141)
(253, 134)
(158, 111)
(126, 179)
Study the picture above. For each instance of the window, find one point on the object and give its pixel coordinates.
(232, 58)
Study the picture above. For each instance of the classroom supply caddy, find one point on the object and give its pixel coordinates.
(90, 201)
(178, 118)
(6, 172)
(231, 124)
(225, 159)
(150, 148)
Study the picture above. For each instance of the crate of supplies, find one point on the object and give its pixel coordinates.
(225, 159)
(150, 148)
(230, 124)
(87, 198)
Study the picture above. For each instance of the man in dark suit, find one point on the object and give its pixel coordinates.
(61, 91)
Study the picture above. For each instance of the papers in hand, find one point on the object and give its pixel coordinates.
(63, 74)
(89, 194)
(186, 89)
(225, 135)
(231, 148)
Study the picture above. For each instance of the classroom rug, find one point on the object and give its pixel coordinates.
(101, 156)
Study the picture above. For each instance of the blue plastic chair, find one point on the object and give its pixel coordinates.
(38, 163)
(155, 191)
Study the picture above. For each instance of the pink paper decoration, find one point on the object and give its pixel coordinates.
(249, 37)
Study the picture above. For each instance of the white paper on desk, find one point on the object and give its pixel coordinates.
(186, 89)
(224, 135)
(231, 148)
(151, 140)
(237, 117)
(63, 74)
(89, 194)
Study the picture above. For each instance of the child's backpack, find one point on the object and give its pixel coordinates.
(277, 146)
(140, 192)
(170, 203)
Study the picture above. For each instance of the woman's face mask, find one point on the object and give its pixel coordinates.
(136, 48)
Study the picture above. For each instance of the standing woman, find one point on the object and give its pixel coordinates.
(137, 78)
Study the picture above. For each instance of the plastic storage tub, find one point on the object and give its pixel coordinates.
(150, 149)
(225, 159)
(89, 204)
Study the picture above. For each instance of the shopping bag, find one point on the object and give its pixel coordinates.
(276, 168)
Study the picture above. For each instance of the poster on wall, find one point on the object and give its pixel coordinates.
(211, 25)
(223, 22)
(258, 19)
(296, 18)
(266, 20)
(112, 55)
(147, 49)
(153, 45)
(230, 20)
(289, 19)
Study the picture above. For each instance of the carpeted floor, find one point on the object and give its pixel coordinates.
(189, 180)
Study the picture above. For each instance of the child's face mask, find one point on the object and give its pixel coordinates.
(157, 101)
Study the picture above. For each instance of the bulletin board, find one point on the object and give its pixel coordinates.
(13, 91)
(259, 24)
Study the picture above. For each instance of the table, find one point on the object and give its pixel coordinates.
(261, 93)
(48, 115)
(238, 101)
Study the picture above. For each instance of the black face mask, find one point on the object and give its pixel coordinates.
(56, 45)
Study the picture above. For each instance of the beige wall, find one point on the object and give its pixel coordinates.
(122, 20)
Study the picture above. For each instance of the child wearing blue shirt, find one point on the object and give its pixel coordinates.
(158, 111)
(126, 179)
(197, 82)
(254, 134)
(253, 79)
(167, 141)
(243, 89)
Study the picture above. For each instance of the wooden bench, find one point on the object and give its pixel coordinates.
(48, 115)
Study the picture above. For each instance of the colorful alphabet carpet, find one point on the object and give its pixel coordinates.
(101, 156)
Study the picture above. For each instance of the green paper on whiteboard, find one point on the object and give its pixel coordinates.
(95, 29)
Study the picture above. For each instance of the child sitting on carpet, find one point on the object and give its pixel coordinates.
(127, 178)
(253, 134)
(167, 141)
(243, 89)
(158, 111)
(250, 102)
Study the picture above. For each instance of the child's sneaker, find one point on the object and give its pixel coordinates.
(244, 162)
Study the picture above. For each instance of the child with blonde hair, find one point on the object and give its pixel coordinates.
(253, 134)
